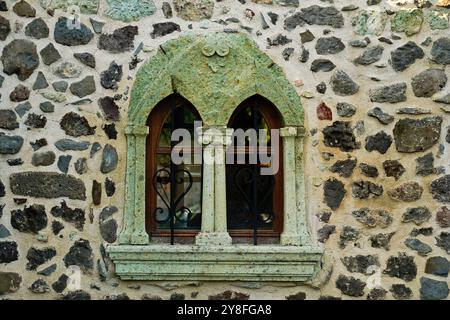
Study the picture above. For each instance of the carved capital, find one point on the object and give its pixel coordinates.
(136, 130)
(215, 135)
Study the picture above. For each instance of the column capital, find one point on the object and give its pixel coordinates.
(136, 130)
(215, 135)
(293, 131)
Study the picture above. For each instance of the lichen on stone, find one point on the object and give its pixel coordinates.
(129, 10)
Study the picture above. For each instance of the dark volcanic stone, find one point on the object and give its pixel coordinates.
(379, 114)
(406, 55)
(443, 217)
(400, 291)
(97, 25)
(9, 282)
(391, 93)
(287, 52)
(321, 87)
(361, 264)
(443, 241)
(229, 295)
(164, 28)
(108, 230)
(393, 168)
(377, 294)
(94, 149)
(421, 232)
(68, 36)
(37, 29)
(279, 40)
(110, 77)
(96, 192)
(47, 185)
(381, 240)
(20, 57)
(36, 121)
(120, 40)
(83, 87)
(110, 130)
(425, 165)
(19, 94)
(315, 14)
(8, 120)
(109, 159)
(340, 135)
(167, 10)
(379, 142)
(438, 266)
(298, 296)
(80, 254)
(368, 170)
(10, 144)
(2, 190)
(440, 51)
(41, 82)
(350, 286)
(344, 167)
(3, 6)
(50, 54)
(323, 65)
(415, 244)
(409, 192)
(440, 189)
(8, 252)
(428, 82)
(81, 165)
(110, 187)
(370, 55)
(413, 135)
(36, 257)
(402, 267)
(75, 125)
(15, 162)
(60, 284)
(39, 286)
(75, 216)
(76, 295)
(47, 271)
(5, 28)
(342, 84)
(417, 215)
(107, 213)
(333, 193)
(306, 36)
(36, 145)
(329, 45)
(4, 232)
(45, 158)
(85, 58)
(64, 162)
(31, 219)
(345, 109)
(69, 144)
(110, 108)
(57, 227)
(432, 289)
(325, 232)
(364, 189)
(372, 218)
(24, 9)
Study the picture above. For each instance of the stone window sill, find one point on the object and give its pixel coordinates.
(216, 263)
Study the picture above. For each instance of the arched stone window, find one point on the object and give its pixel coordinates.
(215, 73)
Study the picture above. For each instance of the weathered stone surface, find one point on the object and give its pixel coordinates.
(110, 77)
(80, 254)
(47, 271)
(361, 264)
(39, 143)
(37, 257)
(329, 45)
(370, 55)
(121, 40)
(8, 120)
(194, 10)
(85, 58)
(437, 18)
(37, 29)
(60, 284)
(31, 219)
(39, 286)
(108, 230)
(400, 291)
(443, 241)
(69, 36)
(438, 266)
(321, 87)
(440, 51)
(391, 93)
(96, 192)
(373, 218)
(415, 244)
(406, 55)
(50, 54)
(47, 185)
(417, 215)
(63, 163)
(364, 189)
(85, 6)
(382, 116)
(41, 82)
(350, 286)
(432, 289)
(345, 109)
(408, 21)
(402, 267)
(421, 232)
(69, 144)
(324, 112)
(109, 159)
(417, 135)
(110, 108)
(24, 9)
(75, 125)
(81, 167)
(4, 232)
(407, 192)
(75, 216)
(377, 294)
(19, 94)
(425, 165)
(342, 84)
(279, 40)
(20, 57)
(76, 295)
(110, 130)
(368, 170)
(9, 282)
(348, 234)
(45, 158)
(381, 240)
(67, 70)
(84, 87)
(10, 144)
(164, 28)
(340, 135)
(333, 193)
(35, 121)
(324, 233)
(443, 217)
(2, 190)
(369, 22)
(110, 187)
(60, 86)
(440, 189)
(379, 142)
(344, 167)
(5, 28)
(323, 65)
(8, 253)
(167, 10)
(315, 15)
(428, 82)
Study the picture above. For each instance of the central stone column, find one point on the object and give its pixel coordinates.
(215, 140)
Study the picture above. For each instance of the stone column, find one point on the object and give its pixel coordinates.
(214, 202)
(290, 235)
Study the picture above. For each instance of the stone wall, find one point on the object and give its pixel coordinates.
(373, 79)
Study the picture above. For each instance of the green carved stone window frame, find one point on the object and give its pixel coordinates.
(215, 72)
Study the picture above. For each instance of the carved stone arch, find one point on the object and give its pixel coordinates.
(215, 72)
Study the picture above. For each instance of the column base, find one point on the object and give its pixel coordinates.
(140, 238)
(213, 239)
(290, 239)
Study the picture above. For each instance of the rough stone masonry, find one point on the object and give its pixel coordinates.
(373, 77)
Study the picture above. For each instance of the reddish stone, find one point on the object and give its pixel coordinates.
(443, 217)
(323, 112)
